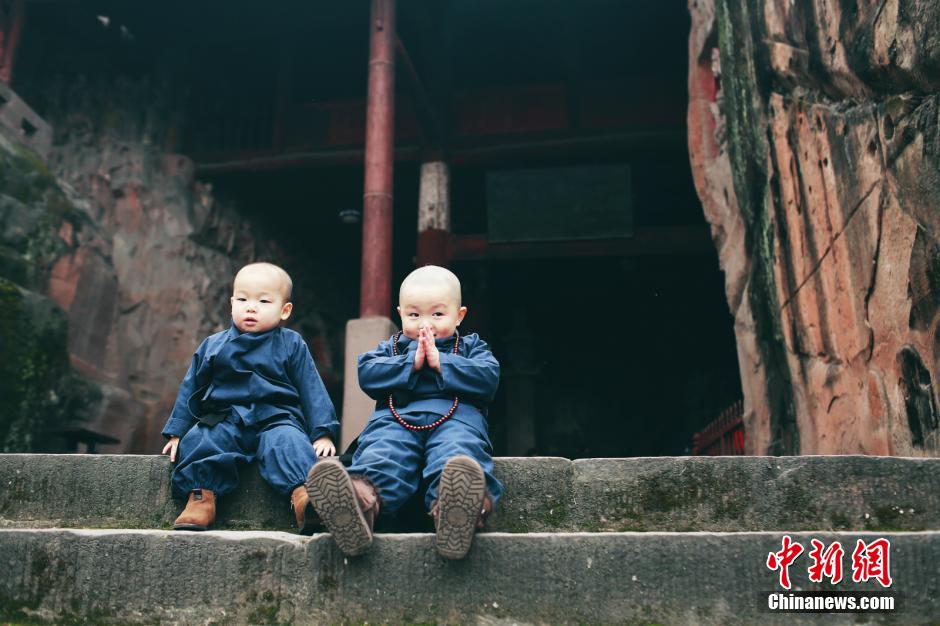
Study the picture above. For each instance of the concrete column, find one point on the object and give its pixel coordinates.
(434, 214)
(362, 335)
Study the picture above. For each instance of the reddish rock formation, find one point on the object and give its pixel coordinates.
(813, 134)
(153, 277)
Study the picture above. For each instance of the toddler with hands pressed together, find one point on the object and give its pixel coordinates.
(432, 388)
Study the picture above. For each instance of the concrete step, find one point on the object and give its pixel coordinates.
(151, 576)
(542, 494)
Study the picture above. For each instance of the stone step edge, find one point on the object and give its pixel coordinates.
(271, 577)
(300, 539)
(542, 494)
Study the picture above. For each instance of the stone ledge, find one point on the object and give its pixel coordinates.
(542, 494)
(756, 493)
(272, 577)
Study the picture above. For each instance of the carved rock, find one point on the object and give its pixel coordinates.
(813, 134)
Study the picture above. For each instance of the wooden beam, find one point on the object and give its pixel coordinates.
(648, 241)
(266, 162)
(587, 145)
(429, 119)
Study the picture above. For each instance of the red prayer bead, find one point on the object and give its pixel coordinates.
(391, 403)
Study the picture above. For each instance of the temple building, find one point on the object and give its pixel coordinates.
(573, 164)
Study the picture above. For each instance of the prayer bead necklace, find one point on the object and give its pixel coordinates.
(391, 404)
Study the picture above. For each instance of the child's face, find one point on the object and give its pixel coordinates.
(432, 306)
(258, 302)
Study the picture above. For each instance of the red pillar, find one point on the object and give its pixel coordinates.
(11, 28)
(376, 282)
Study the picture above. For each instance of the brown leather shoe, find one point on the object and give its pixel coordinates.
(460, 507)
(199, 512)
(305, 517)
(347, 505)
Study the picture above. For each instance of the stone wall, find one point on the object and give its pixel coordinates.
(814, 139)
(39, 394)
(143, 296)
(155, 278)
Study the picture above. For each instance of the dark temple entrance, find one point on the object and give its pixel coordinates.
(610, 323)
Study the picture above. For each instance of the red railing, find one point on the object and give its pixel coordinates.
(724, 436)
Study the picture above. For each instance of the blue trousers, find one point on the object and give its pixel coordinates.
(209, 456)
(395, 458)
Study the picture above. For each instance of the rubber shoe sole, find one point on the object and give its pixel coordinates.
(459, 501)
(331, 493)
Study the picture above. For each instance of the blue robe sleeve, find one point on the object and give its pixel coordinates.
(380, 372)
(181, 418)
(475, 375)
(319, 413)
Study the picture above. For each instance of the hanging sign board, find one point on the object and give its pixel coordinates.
(559, 203)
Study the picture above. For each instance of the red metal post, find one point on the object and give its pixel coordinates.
(12, 27)
(376, 282)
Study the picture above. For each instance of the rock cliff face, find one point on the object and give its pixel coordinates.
(156, 278)
(815, 146)
(38, 224)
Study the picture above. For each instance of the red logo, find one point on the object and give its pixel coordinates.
(872, 561)
(869, 560)
(782, 560)
(826, 563)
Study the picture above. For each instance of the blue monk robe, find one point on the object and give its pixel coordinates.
(393, 457)
(249, 396)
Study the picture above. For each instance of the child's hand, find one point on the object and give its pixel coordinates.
(324, 447)
(420, 353)
(171, 447)
(432, 355)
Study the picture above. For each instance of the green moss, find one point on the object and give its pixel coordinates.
(743, 102)
(264, 614)
(798, 500)
(37, 390)
(18, 614)
(840, 521)
(551, 512)
(890, 519)
(39, 565)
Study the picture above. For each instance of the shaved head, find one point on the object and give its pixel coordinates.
(432, 277)
(273, 272)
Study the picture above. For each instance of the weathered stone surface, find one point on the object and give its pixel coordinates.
(20, 120)
(259, 578)
(541, 494)
(754, 493)
(38, 222)
(536, 495)
(38, 392)
(129, 491)
(151, 276)
(813, 133)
